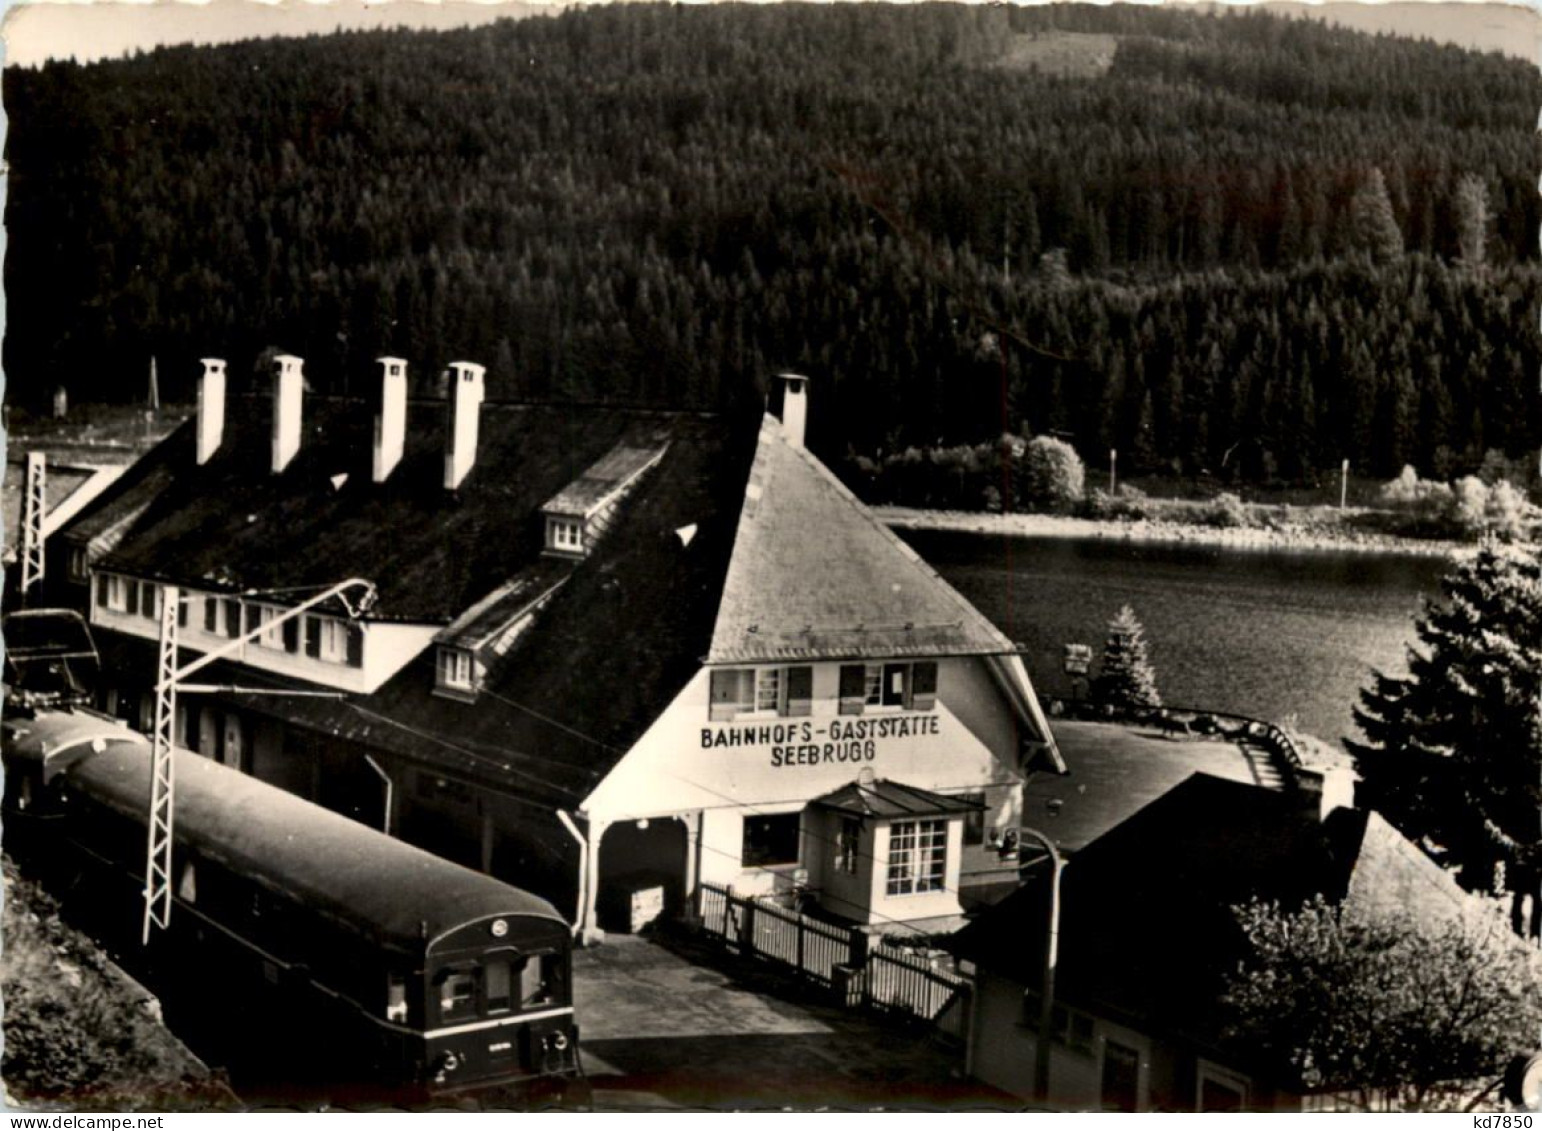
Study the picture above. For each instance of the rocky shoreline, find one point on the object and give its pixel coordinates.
(1161, 531)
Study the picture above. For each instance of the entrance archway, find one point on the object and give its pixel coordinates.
(642, 873)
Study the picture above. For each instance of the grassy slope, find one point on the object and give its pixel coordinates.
(78, 1033)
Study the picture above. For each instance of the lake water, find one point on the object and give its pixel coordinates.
(1266, 634)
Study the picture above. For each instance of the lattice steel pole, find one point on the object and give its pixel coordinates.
(32, 522)
(162, 772)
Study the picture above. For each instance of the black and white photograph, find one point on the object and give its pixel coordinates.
(859, 557)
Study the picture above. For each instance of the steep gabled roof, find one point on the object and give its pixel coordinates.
(1147, 933)
(816, 576)
(433, 554)
(612, 648)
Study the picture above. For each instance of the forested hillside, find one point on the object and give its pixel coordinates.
(1244, 239)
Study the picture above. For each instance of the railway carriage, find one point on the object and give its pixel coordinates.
(402, 971)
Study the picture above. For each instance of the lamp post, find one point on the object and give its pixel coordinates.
(1041, 1044)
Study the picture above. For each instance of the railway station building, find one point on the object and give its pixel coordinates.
(613, 653)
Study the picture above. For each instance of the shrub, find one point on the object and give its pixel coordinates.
(1053, 475)
(1126, 502)
(1226, 510)
(1470, 504)
(1507, 513)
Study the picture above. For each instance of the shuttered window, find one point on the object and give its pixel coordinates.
(211, 614)
(292, 634)
(101, 590)
(909, 687)
(313, 637)
(232, 617)
(739, 691)
(355, 646)
(853, 688)
(923, 686)
(800, 691)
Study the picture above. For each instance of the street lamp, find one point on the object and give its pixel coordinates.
(1041, 1044)
(169, 679)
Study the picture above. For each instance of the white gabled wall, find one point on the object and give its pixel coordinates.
(686, 762)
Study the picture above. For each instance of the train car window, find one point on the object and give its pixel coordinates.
(496, 980)
(537, 986)
(396, 998)
(187, 886)
(457, 995)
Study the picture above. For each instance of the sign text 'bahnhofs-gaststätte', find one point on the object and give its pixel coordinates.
(804, 743)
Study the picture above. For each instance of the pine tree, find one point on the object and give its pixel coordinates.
(1126, 681)
(1453, 751)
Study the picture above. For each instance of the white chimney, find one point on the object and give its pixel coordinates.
(794, 408)
(390, 417)
(288, 389)
(211, 408)
(465, 397)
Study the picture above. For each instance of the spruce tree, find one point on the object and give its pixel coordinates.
(1126, 681)
(1453, 751)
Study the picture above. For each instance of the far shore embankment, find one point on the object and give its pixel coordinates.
(1317, 537)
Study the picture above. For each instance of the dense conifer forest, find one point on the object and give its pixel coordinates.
(1237, 241)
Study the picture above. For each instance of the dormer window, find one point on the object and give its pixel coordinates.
(565, 534)
(455, 672)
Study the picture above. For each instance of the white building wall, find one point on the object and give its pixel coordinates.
(388, 647)
(763, 765)
(1001, 1051)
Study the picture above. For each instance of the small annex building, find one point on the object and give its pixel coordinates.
(1147, 938)
(613, 653)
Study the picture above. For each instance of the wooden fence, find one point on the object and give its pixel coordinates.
(844, 960)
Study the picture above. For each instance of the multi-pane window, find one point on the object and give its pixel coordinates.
(768, 689)
(565, 533)
(272, 628)
(1069, 1027)
(743, 691)
(326, 638)
(113, 592)
(918, 854)
(455, 668)
(848, 843)
(908, 686)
